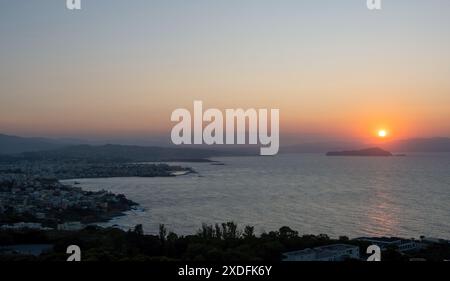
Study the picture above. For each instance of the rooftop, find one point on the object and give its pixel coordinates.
(323, 251)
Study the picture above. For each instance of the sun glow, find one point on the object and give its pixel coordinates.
(382, 133)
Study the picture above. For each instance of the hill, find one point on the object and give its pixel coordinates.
(119, 153)
(14, 144)
(439, 144)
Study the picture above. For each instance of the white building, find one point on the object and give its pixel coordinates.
(335, 252)
(384, 243)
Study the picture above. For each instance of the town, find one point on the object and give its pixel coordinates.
(41, 202)
(31, 194)
(62, 170)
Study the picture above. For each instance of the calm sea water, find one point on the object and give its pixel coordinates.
(353, 196)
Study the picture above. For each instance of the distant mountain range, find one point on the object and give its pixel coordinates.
(440, 144)
(419, 145)
(14, 144)
(45, 148)
(20, 148)
(122, 153)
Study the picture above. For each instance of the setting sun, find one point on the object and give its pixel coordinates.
(382, 133)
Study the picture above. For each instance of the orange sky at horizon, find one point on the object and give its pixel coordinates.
(335, 70)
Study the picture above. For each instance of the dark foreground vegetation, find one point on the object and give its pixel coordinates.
(222, 243)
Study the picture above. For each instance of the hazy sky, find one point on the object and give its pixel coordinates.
(119, 68)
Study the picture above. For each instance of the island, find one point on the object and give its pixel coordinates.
(374, 151)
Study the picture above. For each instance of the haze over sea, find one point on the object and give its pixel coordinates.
(311, 193)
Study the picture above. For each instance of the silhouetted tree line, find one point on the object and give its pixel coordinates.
(220, 242)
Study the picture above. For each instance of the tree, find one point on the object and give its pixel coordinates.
(206, 232)
(323, 237)
(249, 232)
(287, 233)
(344, 238)
(218, 231)
(139, 230)
(172, 237)
(229, 230)
(162, 233)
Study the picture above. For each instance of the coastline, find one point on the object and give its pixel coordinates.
(40, 193)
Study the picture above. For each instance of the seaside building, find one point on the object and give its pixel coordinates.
(335, 252)
(384, 243)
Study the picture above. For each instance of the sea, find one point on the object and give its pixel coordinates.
(311, 193)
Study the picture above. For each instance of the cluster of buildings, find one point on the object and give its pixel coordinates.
(37, 199)
(335, 252)
(77, 170)
(402, 245)
(342, 252)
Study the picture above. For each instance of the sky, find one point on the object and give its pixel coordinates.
(117, 69)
